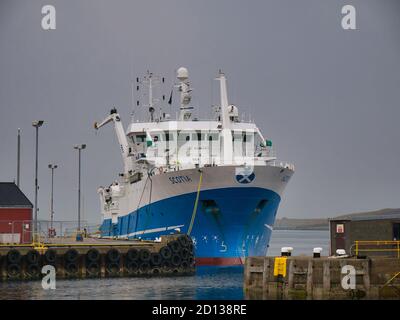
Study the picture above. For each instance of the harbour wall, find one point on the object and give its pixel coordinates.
(172, 255)
(275, 278)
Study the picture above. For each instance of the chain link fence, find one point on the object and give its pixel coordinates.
(21, 232)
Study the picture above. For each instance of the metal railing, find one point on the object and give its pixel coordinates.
(281, 164)
(379, 246)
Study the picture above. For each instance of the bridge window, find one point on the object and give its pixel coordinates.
(182, 136)
(213, 136)
(140, 138)
(198, 136)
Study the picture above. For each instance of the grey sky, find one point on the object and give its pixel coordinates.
(328, 98)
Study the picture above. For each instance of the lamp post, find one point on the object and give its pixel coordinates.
(52, 167)
(79, 147)
(18, 155)
(36, 124)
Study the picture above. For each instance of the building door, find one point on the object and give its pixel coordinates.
(396, 231)
(340, 239)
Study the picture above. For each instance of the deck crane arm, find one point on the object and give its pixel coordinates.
(121, 136)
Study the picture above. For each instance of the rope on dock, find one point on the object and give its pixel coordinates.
(195, 204)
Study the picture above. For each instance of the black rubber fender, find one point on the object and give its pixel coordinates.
(93, 255)
(33, 256)
(144, 255)
(183, 241)
(132, 267)
(50, 256)
(176, 260)
(71, 268)
(113, 255)
(191, 262)
(13, 270)
(175, 270)
(93, 268)
(33, 270)
(185, 264)
(132, 255)
(71, 255)
(156, 271)
(190, 247)
(166, 253)
(185, 253)
(175, 246)
(166, 265)
(113, 268)
(13, 256)
(144, 267)
(155, 259)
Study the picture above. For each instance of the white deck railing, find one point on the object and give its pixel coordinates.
(281, 164)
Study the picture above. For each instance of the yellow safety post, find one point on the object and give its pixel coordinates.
(37, 244)
(398, 249)
(280, 266)
(41, 247)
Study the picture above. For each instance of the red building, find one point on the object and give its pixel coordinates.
(15, 215)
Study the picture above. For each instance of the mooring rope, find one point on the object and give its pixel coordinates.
(140, 200)
(195, 204)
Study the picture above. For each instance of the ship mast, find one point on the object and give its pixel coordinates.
(151, 108)
(185, 90)
(226, 132)
(151, 80)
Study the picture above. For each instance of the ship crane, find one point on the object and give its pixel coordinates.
(122, 140)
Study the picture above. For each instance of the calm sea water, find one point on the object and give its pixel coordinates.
(208, 283)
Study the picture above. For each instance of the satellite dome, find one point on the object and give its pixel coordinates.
(182, 73)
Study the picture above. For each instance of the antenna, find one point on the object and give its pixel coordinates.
(132, 101)
(151, 81)
(132, 95)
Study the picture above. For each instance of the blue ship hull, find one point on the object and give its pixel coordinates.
(229, 223)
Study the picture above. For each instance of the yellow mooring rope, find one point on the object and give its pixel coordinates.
(195, 204)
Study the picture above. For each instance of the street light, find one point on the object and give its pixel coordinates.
(18, 155)
(52, 167)
(37, 124)
(79, 147)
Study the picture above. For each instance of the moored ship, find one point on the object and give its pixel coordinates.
(217, 180)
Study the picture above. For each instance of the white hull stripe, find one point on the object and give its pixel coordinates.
(172, 184)
(269, 227)
(148, 231)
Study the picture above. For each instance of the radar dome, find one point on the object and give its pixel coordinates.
(182, 73)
